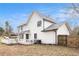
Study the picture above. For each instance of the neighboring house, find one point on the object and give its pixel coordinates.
(13, 35)
(40, 27)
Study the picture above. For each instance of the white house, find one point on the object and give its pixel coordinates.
(40, 27)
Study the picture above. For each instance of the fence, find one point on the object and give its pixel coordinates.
(73, 42)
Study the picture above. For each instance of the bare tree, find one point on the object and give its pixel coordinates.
(8, 29)
(75, 7)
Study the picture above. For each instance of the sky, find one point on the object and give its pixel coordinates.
(18, 13)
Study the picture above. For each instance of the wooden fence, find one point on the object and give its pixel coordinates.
(73, 42)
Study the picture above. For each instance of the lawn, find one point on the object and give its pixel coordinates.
(37, 50)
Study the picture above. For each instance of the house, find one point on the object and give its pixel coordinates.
(40, 27)
(13, 35)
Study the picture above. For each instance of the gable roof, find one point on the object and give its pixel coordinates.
(56, 26)
(51, 27)
(46, 18)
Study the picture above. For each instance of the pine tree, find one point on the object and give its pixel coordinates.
(8, 29)
(1, 31)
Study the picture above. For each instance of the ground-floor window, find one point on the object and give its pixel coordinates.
(27, 36)
(35, 35)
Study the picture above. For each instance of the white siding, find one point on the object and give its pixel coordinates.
(48, 37)
(25, 28)
(19, 29)
(33, 25)
(63, 30)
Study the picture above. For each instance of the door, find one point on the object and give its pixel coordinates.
(62, 40)
(27, 36)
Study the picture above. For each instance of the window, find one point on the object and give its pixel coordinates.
(27, 36)
(39, 23)
(35, 35)
(21, 36)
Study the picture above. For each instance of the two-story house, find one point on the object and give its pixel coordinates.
(40, 27)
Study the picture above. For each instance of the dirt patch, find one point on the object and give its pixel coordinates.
(36, 50)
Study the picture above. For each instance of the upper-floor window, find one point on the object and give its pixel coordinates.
(39, 23)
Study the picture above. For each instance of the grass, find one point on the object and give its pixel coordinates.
(37, 50)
